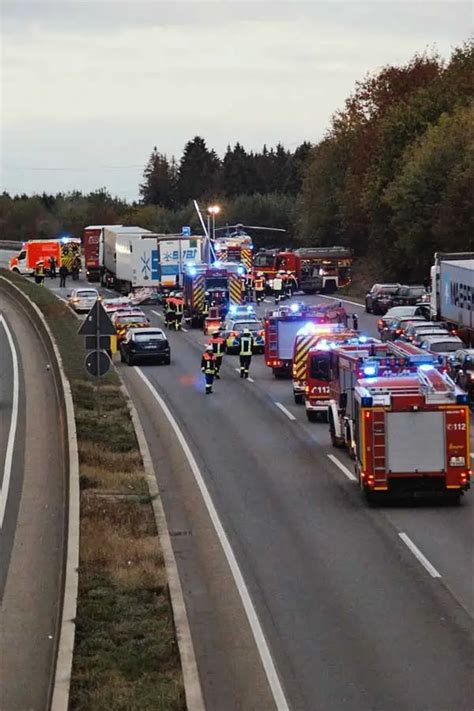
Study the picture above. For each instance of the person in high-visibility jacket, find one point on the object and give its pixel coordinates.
(208, 367)
(245, 353)
(278, 287)
(178, 313)
(259, 285)
(39, 272)
(218, 348)
(170, 314)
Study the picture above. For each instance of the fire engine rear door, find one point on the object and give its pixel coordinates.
(287, 331)
(415, 441)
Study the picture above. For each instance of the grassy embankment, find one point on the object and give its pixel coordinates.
(126, 657)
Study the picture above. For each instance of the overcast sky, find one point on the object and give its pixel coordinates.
(88, 88)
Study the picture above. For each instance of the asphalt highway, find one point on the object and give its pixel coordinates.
(352, 619)
(361, 608)
(32, 515)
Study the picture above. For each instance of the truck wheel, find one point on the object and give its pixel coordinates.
(312, 416)
(330, 287)
(298, 397)
(372, 497)
(453, 498)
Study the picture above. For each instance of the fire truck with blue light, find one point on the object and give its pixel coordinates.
(402, 418)
(282, 325)
(219, 285)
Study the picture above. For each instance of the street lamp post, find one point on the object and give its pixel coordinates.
(213, 210)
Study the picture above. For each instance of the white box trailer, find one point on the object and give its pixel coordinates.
(456, 292)
(128, 258)
(175, 253)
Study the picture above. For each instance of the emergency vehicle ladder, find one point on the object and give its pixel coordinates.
(378, 441)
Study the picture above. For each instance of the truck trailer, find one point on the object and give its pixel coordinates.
(452, 291)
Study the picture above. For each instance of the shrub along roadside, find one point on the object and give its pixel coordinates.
(126, 656)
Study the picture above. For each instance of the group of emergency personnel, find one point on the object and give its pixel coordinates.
(174, 311)
(211, 360)
(52, 264)
(283, 286)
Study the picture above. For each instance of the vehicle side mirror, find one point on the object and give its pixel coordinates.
(343, 401)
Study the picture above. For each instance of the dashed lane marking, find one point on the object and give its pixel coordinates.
(285, 411)
(342, 467)
(251, 380)
(264, 651)
(157, 313)
(7, 471)
(419, 556)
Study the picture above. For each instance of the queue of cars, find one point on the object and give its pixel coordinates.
(382, 297)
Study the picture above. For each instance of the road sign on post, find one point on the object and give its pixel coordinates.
(186, 231)
(97, 363)
(97, 327)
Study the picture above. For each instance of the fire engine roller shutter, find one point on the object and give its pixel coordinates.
(287, 331)
(415, 441)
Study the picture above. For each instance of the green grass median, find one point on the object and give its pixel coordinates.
(125, 657)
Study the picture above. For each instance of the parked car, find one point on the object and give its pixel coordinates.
(396, 328)
(441, 346)
(113, 305)
(461, 369)
(145, 344)
(409, 295)
(416, 332)
(233, 329)
(379, 299)
(81, 300)
(399, 312)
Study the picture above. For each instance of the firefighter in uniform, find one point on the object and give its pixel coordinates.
(178, 313)
(278, 287)
(218, 348)
(170, 312)
(249, 287)
(245, 353)
(208, 367)
(355, 322)
(291, 284)
(259, 285)
(39, 272)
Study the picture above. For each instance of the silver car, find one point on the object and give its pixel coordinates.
(83, 299)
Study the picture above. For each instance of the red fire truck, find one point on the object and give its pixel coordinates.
(312, 336)
(282, 325)
(403, 420)
(203, 284)
(316, 376)
(317, 269)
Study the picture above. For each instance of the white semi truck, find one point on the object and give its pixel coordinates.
(452, 291)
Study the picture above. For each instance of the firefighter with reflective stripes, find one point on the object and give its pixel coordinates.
(249, 287)
(259, 285)
(278, 287)
(39, 272)
(218, 348)
(245, 353)
(170, 315)
(208, 367)
(178, 313)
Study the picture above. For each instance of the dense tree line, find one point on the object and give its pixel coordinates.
(392, 178)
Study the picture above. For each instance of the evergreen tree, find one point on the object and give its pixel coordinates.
(158, 187)
(198, 174)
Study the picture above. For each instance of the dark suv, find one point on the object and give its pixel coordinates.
(379, 299)
(409, 295)
(145, 344)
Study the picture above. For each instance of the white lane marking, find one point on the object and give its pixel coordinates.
(285, 411)
(419, 555)
(251, 380)
(257, 631)
(267, 301)
(335, 298)
(184, 329)
(157, 313)
(7, 471)
(342, 467)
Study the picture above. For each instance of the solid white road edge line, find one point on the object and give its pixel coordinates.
(335, 298)
(419, 555)
(285, 411)
(7, 471)
(342, 467)
(257, 631)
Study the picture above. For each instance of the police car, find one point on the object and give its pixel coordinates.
(233, 329)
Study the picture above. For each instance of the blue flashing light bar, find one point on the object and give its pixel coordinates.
(295, 308)
(192, 271)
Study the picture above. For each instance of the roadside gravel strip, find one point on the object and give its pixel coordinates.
(60, 698)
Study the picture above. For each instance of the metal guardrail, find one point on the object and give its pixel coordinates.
(10, 244)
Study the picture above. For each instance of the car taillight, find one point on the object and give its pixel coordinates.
(380, 322)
